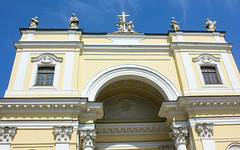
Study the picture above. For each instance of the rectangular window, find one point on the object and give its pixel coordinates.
(45, 76)
(210, 75)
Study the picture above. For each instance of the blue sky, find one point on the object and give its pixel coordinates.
(149, 16)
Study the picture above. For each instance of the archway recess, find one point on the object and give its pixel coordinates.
(134, 72)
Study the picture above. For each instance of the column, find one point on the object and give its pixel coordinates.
(206, 131)
(179, 134)
(88, 138)
(6, 137)
(62, 135)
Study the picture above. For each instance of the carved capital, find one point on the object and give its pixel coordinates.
(63, 133)
(7, 134)
(88, 138)
(205, 130)
(179, 135)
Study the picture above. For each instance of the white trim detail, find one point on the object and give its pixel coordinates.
(211, 61)
(49, 60)
(68, 69)
(133, 145)
(129, 71)
(22, 68)
(233, 145)
(231, 73)
(189, 70)
(30, 35)
(5, 146)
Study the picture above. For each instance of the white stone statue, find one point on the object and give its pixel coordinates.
(74, 22)
(121, 25)
(174, 24)
(34, 22)
(130, 25)
(210, 25)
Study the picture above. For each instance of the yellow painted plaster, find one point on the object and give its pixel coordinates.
(33, 147)
(222, 145)
(97, 40)
(198, 38)
(14, 71)
(50, 37)
(24, 37)
(154, 41)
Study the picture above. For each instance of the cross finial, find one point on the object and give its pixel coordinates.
(123, 16)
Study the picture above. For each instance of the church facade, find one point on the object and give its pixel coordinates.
(72, 90)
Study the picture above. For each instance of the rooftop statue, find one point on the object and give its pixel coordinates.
(34, 22)
(210, 25)
(124, 27)
(74, 22)
(130, 25)
(174, 24)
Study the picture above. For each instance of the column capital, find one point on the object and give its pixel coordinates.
(88, 138)
(62, 133)
(7, 134)
(179, 134)
(205, 130)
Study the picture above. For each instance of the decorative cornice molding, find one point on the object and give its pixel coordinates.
(179, 134)
(7, 134)
(80, 106)
(88, 138)
(47, 58)
(48, 44)
(205, 130)
(62, 133)
(132, 128)
(206, 58)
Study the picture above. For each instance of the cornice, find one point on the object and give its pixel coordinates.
(80, 106)
(48, 44)
(201, 45)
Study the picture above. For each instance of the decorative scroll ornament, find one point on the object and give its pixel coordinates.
(179, 135)
(206, 58)
(7, 134)
(47, 58)
(205, 130)
(88, 138)
(62, 134)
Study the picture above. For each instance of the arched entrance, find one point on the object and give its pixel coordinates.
(130, 72)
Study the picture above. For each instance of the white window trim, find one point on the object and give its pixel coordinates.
(45, 60)
(211, 61)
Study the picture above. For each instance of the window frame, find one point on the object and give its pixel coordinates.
(208, 60)
(45, 60)
(209, 76)
(45, 78)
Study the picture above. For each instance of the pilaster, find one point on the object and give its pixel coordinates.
(62, 135)
(205, 131)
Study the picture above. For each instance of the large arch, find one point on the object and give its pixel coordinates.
(130, 71)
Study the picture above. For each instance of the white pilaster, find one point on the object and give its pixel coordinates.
(68, 69)
(22, 68)
(62, 135)
(189, 70)
(230, 71)
(6, 137)
(179, 134)
(206, 131)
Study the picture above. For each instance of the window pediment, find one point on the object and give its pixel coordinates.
(47, 58)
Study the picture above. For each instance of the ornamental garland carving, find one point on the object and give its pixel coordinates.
(206, 58)
(7, 134)
(179, 134)
(205, 130)
(88, 138)
(47, 58)
(63, 133)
